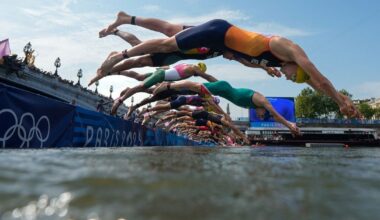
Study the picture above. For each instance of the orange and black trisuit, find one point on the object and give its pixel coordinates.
(222, 36)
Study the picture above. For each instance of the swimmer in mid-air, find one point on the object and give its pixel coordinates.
(249, 48)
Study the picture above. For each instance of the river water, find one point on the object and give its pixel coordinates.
(190, 183)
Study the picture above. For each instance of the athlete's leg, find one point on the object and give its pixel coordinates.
(148, 47)
(137, 62)
(153, 24)
(180, 85)
(152, 80)
(149, 91)
(127, 94)
(142, 103)
(135, 75)
(163, 45)
(130, 38)
(106, 66)
(161, 107)
(100, 73)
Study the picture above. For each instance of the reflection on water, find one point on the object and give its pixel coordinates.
(190, 183)
(44, 207)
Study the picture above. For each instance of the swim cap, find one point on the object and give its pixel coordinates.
(202, 66)
(301, 75)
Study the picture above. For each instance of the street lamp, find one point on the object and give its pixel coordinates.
(132, 101)
(79, 75)
(57, 64)
(96, 88)
(111, 90)
(27, 49)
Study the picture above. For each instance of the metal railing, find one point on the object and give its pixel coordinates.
(338, 121)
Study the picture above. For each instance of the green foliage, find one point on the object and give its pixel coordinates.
(367, 111)
(377, 113)
(312, 104)
(305, 105)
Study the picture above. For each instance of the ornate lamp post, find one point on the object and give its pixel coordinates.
(111, 90)
(96, 88)
(79, 75)
(57, 64)
(27, 49)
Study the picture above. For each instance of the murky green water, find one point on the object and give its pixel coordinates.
(190, 183)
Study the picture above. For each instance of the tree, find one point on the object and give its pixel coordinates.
(336, 109)
(377, 113)
(367, 111)
(305, 104)
(313, 104)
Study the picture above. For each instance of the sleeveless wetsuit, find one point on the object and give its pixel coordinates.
(166, 59)
(222, 36)
(239, 96)
(202, 53)
(194, 100)
(173, 74)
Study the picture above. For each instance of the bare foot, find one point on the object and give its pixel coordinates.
(112, 60)
(122, 18)
(146, 119)
(162, 87)
(142, 112)
(102, 71)
(104, 32)
(116, 105)
(130, 111)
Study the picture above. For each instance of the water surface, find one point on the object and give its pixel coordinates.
(190, 183)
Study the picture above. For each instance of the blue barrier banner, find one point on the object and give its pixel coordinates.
(94, 129)
(30, 120)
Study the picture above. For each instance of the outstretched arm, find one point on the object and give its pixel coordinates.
(204, 75)
(355, 111)
(320, 83)
(270, 70)
(260, 101)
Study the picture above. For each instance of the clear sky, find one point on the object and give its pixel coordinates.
(340, 37)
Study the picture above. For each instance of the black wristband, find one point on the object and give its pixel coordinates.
(133, 20)
(125, 54)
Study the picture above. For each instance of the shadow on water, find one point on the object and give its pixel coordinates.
(190, 183)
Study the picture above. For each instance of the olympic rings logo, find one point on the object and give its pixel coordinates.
(23, 134)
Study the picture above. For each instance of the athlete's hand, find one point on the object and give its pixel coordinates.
(294, 129)
(273, 72)
(348, 108)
